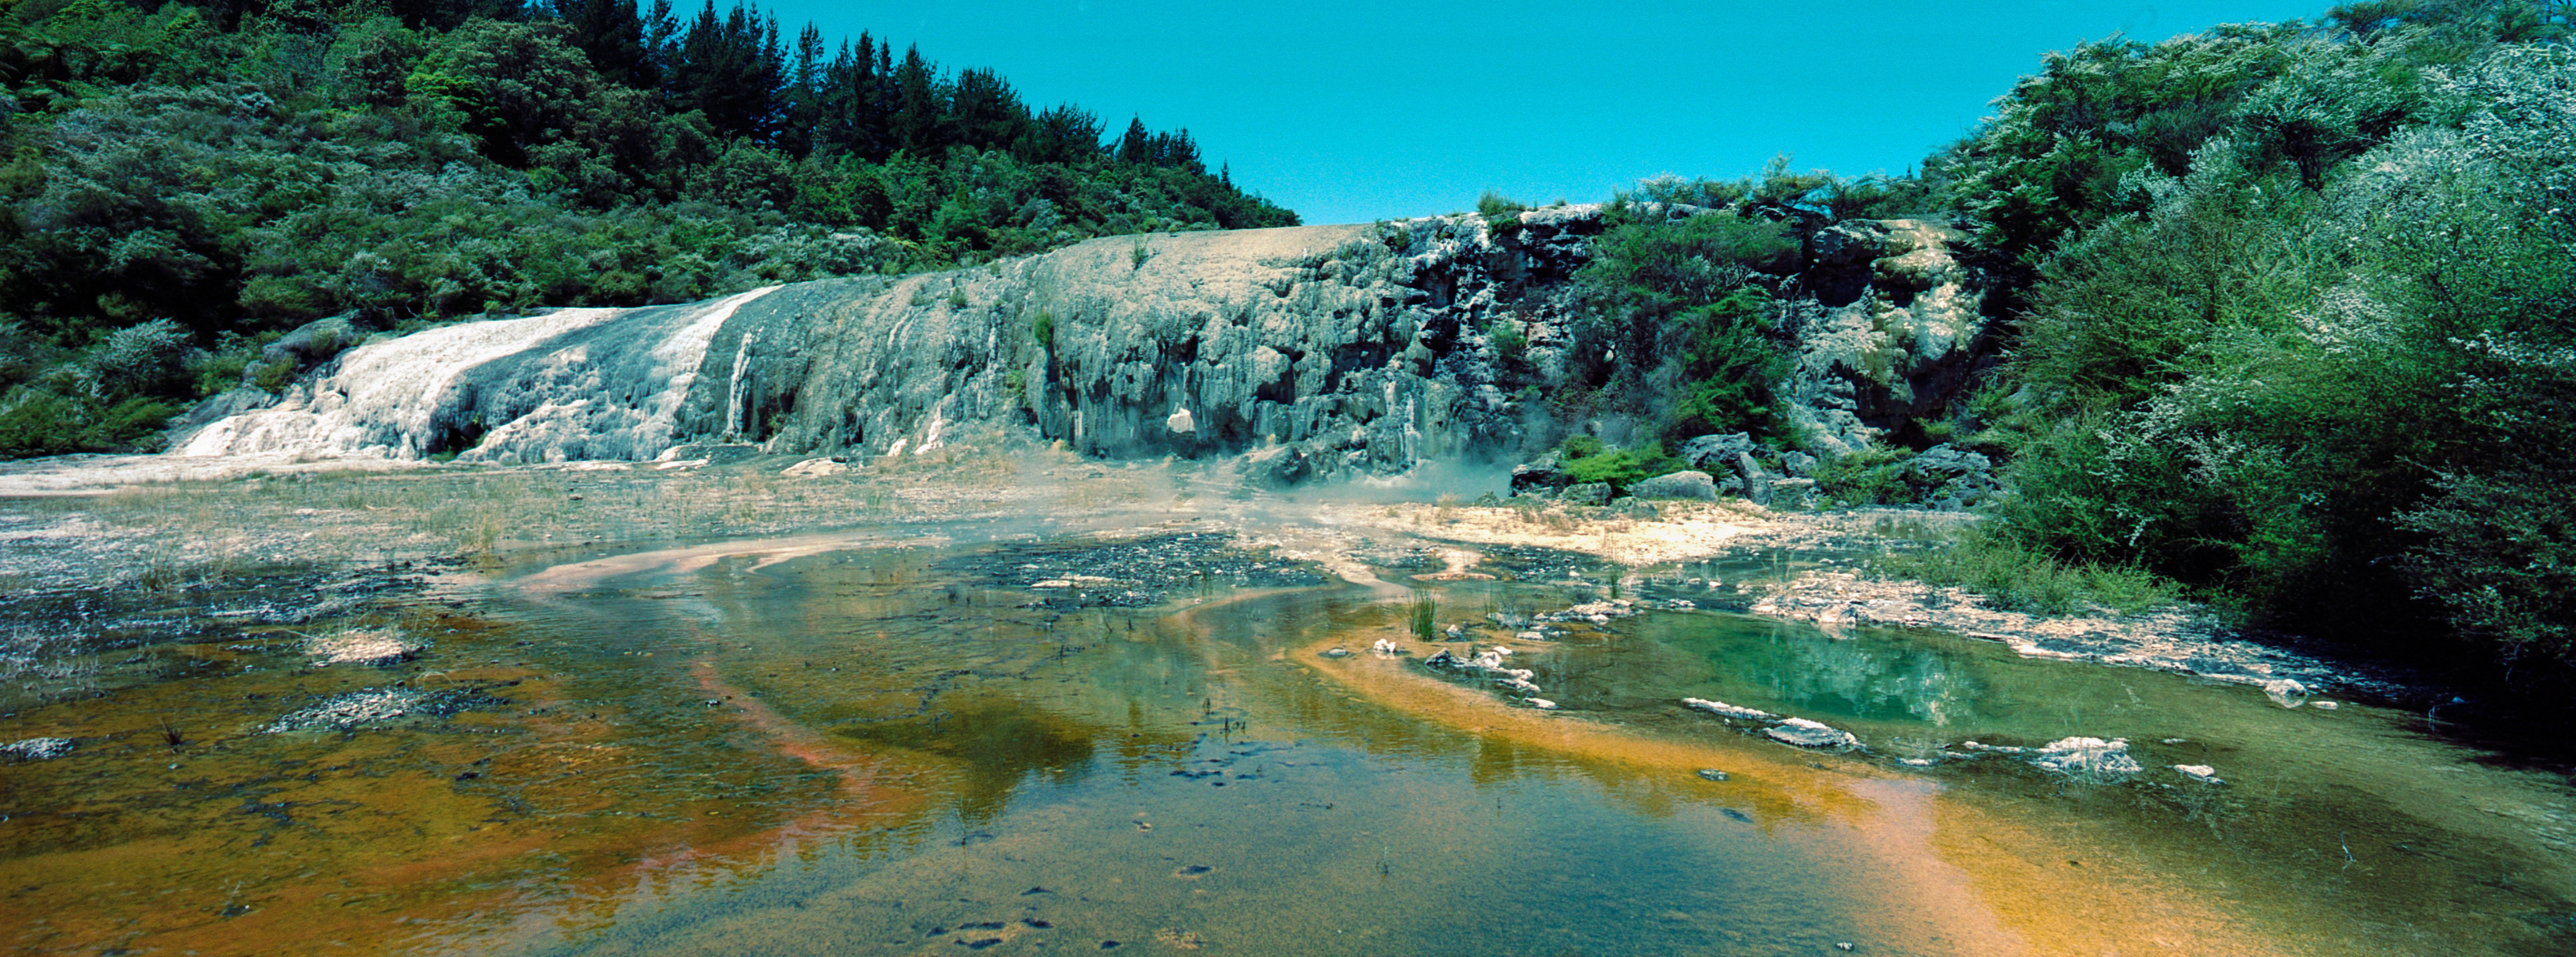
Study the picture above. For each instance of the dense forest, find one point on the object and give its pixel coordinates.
(2287, 323)
(182, 182)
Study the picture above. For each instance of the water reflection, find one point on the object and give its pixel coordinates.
(898, 751)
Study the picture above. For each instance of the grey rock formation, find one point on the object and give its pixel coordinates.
(1312, 352)
(1682, 484)
(1894, 331)
(314, 342)
(1951, 478)
(1716, 453)
(1542, 476)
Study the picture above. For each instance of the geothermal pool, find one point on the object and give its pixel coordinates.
(935, 745)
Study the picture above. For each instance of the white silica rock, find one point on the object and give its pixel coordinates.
(567, 385)
(1810, 734)
(1724, 710)
(2089, 757)
(2199, 772)
(1181, 422)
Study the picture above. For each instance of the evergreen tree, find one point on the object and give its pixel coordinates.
(1136, 146)
(917, 106)
(731, 69)
(611, 33)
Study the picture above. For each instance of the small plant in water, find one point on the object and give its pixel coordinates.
(1422, 615)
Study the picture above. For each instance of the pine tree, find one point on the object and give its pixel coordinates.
(611, 33)
(917, 107)
(731, 69)
(1137, 146)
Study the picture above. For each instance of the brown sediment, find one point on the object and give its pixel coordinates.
(387, 839)
(1933, 873)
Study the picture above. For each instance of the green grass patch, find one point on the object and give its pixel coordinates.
(2020, 579)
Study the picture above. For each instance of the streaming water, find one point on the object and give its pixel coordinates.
(811, 747)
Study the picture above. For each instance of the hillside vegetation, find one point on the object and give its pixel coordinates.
(2287, 321)
(181, 182)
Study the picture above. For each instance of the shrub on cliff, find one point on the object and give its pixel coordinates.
(1671, 330)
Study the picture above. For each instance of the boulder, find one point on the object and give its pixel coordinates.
(314, 342)
(1541, 476)
(1716, 453)
(1799, 464)
(1810, 734)
(1950, 478)
(1792, 493)
(1687, 483)
(1757, 486)
(1588, 493)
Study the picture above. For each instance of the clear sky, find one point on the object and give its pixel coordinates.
(1348, 112)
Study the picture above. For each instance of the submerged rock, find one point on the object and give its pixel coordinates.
(1724, 710)
(375, 706)
(1810, 734)
(2090, 758)
(364, 646)
(2199, 772)
(350, 710)
(36, 749)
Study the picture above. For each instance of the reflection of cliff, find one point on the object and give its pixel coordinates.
(1866, 680)
(1325, 350)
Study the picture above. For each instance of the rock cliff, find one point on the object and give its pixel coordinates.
(1317, 350)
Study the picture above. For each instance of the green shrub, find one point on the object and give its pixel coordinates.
(1587, 461)
(1873, 476)
(1507, 338)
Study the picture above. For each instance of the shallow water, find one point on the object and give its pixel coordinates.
(811, 748)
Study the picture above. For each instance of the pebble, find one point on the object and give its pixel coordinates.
(1712, 774)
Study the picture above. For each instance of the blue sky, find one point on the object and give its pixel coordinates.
(1348, 112)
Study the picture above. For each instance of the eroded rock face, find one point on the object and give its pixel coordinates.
(1893, 332)
(1321, 351)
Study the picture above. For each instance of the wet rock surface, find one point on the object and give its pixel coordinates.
(1810, 734)
(36, 749)
(1134, 573)
(351, 710)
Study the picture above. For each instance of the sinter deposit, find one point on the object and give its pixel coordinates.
(1313, 351)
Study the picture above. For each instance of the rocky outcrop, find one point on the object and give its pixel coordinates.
(1309, 351)
(1892, 334)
